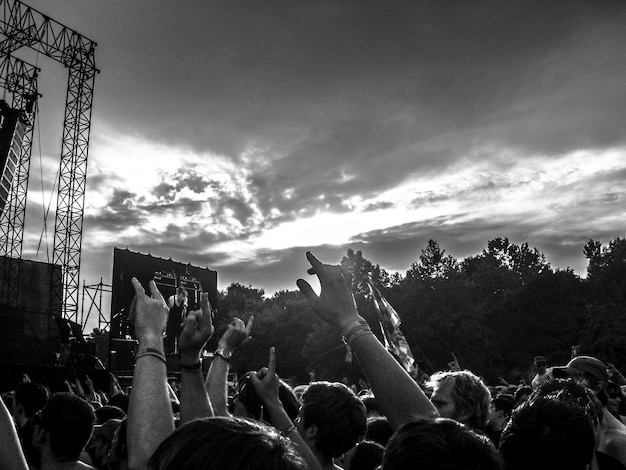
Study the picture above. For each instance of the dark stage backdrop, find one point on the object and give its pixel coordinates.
(167, 273)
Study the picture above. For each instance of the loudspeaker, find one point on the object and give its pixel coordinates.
(123, 354)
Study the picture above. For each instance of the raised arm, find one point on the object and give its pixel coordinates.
(197, 329)
(266, 385)
(11, 454)
(336, 305)
(235, 335)
(150, 418)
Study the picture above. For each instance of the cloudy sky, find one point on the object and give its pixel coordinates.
(238, 134)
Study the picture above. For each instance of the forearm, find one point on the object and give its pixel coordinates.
(11, 454)
(150, 418)
(194, 401)
(397, 394)
(216, 385)
(285, 426)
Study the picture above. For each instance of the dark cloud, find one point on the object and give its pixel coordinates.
(378, 206)
(120, 213)
(353, 98)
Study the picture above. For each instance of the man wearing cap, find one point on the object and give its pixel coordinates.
(611, 433)
(542, 373)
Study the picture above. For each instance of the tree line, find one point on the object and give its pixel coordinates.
(495, 311)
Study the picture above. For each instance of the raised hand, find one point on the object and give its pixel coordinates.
(197, 329)
(237, 334)
(454, 363)
(149, 314)
(266, 382)
(335, 304)
(89, 383)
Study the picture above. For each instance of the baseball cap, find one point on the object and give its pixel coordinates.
(107, 430)
(582, 365)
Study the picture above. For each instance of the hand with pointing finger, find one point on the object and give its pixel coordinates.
(454, 364)
(335, 304)
(196, 331)
(237, 334)
(266, 382)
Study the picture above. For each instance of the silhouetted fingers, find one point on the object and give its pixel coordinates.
(271, 366)
(249, 325)
(155, 292)
(205, 305)
(307, 290)
(131, 310)
(139, 290)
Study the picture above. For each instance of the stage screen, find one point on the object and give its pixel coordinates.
(167, 274)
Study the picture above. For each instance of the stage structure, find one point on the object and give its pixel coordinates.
(22, 27)
(168, 275)
(16, 131)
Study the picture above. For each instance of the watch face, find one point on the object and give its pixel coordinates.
(225, 353)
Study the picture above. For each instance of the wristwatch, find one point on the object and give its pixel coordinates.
(225, 354)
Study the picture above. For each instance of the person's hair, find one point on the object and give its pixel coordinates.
(120, 400)
(107, 412)
(370, 403)
(368, 455)
(545, 433)
(521, 391)
(69, 420)
(378, 430)
(248, 397)
(470, 394)
(225, 443)
(338, 415)
(572, 394)
(440, 444)
(32, 396)
(504, 402)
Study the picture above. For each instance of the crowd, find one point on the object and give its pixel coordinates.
(571, 417)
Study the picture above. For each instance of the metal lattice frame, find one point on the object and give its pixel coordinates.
(94, 293)
(20, 78)
(25, 26)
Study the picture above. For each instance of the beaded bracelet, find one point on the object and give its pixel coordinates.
(151, 352)
(357, 332)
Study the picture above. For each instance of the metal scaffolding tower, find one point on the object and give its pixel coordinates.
(26, 27)
(20, 79)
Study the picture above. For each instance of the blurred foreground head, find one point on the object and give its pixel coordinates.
(440, 444)
(225, 443)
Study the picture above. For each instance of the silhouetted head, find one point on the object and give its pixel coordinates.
(333, 417)
(246, 397)
(440, 444)
(225, 443)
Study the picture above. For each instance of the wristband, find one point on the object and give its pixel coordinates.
(357, 333)
(151, 352)
(351, 326)
(190, 367)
